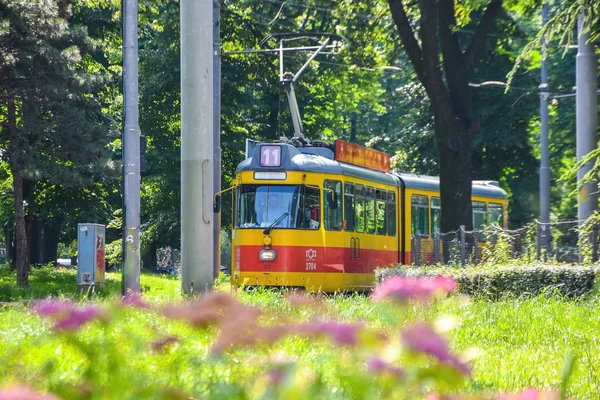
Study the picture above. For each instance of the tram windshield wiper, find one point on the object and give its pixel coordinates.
(276, 222)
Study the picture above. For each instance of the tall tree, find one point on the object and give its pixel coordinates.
(442, 65)
(53, 128)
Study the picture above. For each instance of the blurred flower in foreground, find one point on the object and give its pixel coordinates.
(238, 322)
(235, 333)
(24, 393)
(279, 370)
(527, 394)
(301, 299)
(134, 300)
(375, 364)
(402, 288)
(66, 315)
(530, 394)
(421, 337)
(340, 333)
(52, 307)
(77, 318)
(207, 310)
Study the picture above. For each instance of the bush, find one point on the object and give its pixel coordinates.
(512, 280)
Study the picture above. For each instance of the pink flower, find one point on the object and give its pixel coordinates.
(435, 396)
(376, 364)
(24, 393)
(341, 334)
(246, 332)
(299, 300)
(530, 394)
(421, 337)
(276, 376)
(77, 318)
(52, 307)
(66, 315)
(208, 310)
(134, 300)
(402, 288)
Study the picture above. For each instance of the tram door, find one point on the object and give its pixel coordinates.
(351, 241)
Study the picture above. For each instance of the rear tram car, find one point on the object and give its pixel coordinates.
(324, 218)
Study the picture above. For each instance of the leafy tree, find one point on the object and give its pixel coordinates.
(53, 128)
(562, 26)
(443, 68)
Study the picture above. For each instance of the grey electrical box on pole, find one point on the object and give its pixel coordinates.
(587, 118)
(197, 91)
(544, 143)
(217, 130)
(131, 151)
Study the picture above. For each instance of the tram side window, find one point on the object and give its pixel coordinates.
(333, 217)
(479, 215)
(359, 198)
(380, 211)
(349, 206)
(234, 201)
(246, 211)
(494, 213)
(370, 209)
(420, 215)
(391, 213)
(436, 215)
(479, 219)
(310, 206)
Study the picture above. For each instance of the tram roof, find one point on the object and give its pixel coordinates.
(432, 183)
(294, 159)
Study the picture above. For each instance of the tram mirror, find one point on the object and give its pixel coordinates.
(217, 204)
(332, 200)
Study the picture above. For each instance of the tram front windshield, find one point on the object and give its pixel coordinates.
(291, 206)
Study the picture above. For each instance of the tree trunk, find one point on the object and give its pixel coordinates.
(50, 241)
(455, 121)
(455, 145)
(15, 167)
(353, 128)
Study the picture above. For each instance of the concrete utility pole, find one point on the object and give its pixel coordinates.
(197, 91)
(587, 118)
(544, 146)
(131, 151)
(217, 128)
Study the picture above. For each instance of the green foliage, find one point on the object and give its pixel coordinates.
(113, 253)
(562, 26)
(508, 280)
(588, 239)
(54, 72)
(225, 249)
(68, 249)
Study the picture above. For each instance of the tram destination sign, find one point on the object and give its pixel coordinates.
(361, 156)
(270, 156)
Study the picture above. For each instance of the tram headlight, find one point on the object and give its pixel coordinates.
(267, 240)
(267, 255)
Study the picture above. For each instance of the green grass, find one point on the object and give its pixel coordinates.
(521, 343)
(49, 281)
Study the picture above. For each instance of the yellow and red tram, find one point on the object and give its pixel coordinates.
(325, 218)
